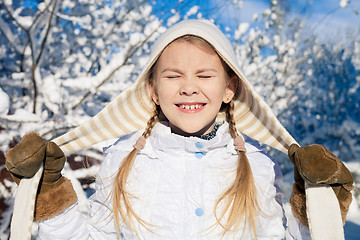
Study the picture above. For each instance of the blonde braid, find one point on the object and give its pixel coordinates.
(230, 119)
(121, 203)
(151, 123)
(240, 198)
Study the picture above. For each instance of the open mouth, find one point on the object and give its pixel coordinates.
(190, 107)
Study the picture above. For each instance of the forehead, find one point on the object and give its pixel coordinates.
(183, 51)
(194, 41)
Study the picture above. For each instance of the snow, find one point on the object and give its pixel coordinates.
(352, 225)
(175, 18)
(192, 11)
(243, 27)
(273, 16)
(344, 3)
(4, 103)
(267, 12)
(135, 38)
(354, 213)
(41, 6)
(22, 116)
(25, 21)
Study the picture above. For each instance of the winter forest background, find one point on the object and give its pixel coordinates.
(61, 62)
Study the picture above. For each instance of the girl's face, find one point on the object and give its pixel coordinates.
(190, 85)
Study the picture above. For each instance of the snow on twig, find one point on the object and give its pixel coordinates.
(109, 72)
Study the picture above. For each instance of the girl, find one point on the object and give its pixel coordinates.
(191, 172)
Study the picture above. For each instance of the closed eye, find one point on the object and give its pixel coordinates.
(205, 76)
(172, 76)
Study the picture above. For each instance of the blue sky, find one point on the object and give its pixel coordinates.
(325, 17)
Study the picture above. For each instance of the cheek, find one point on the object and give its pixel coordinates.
(216, 92)
(165, 92)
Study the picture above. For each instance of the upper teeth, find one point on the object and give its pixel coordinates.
(196, 106)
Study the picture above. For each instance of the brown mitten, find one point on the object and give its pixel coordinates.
(315, 164)
(55, 192)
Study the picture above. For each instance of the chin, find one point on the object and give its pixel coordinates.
(190, 130)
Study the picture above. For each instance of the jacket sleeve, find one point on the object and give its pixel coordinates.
(74, 225)
(99, 223)
(267, 171)
(70, 224)
(294, 230)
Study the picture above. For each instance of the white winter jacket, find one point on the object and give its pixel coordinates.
(175, 183)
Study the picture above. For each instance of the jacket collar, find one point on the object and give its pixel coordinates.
(163, 139)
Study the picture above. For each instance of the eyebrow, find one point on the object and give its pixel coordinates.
(206, 70)
(171, 70)
(198, 71)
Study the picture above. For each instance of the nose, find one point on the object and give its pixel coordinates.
(189, 87)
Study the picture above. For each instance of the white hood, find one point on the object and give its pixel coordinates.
(131, 110)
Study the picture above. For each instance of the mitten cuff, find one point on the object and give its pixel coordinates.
(52, 199)
(298, 204)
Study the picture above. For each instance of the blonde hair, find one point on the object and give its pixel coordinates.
(239, 200)
(121, 203)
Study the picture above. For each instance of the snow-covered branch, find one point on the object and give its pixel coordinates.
(108, 72)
